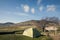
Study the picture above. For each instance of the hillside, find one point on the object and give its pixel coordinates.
(26, 24)
(6, 24)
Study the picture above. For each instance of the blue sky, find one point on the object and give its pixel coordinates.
(23, 10)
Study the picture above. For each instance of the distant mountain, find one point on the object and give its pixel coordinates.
(36, 23)
(9, 26)
(6, 24)
(28, 23)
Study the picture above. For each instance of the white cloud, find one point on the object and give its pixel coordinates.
(38, 2)
(17, 7)
(20, 14)
(41, 8)
(21, 5)
(23, 14)
(51, 8)
(33, 10)
(26, 8)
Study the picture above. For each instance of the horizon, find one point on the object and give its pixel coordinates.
(23, 10)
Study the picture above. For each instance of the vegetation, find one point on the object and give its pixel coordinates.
(21, 37)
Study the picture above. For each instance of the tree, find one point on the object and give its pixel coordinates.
(53, 19)
(43, 24)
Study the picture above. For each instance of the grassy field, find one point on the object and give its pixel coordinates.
(17, 35)
(10, 29)
(21, 37)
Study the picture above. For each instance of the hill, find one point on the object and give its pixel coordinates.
(23, 25)
(6, 24)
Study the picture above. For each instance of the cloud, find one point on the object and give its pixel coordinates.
(51, 8)
(17, 7)
(41, 8)
(20, 14)
(23, 14)
(38, 2)
(33, 10)
(25, 8)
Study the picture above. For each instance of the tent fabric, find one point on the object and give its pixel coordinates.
(31, 32)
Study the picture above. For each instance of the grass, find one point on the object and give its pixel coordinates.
(17, 35)
(21, 37)
(15, 28)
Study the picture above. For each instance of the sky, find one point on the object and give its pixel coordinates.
(23, 10)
